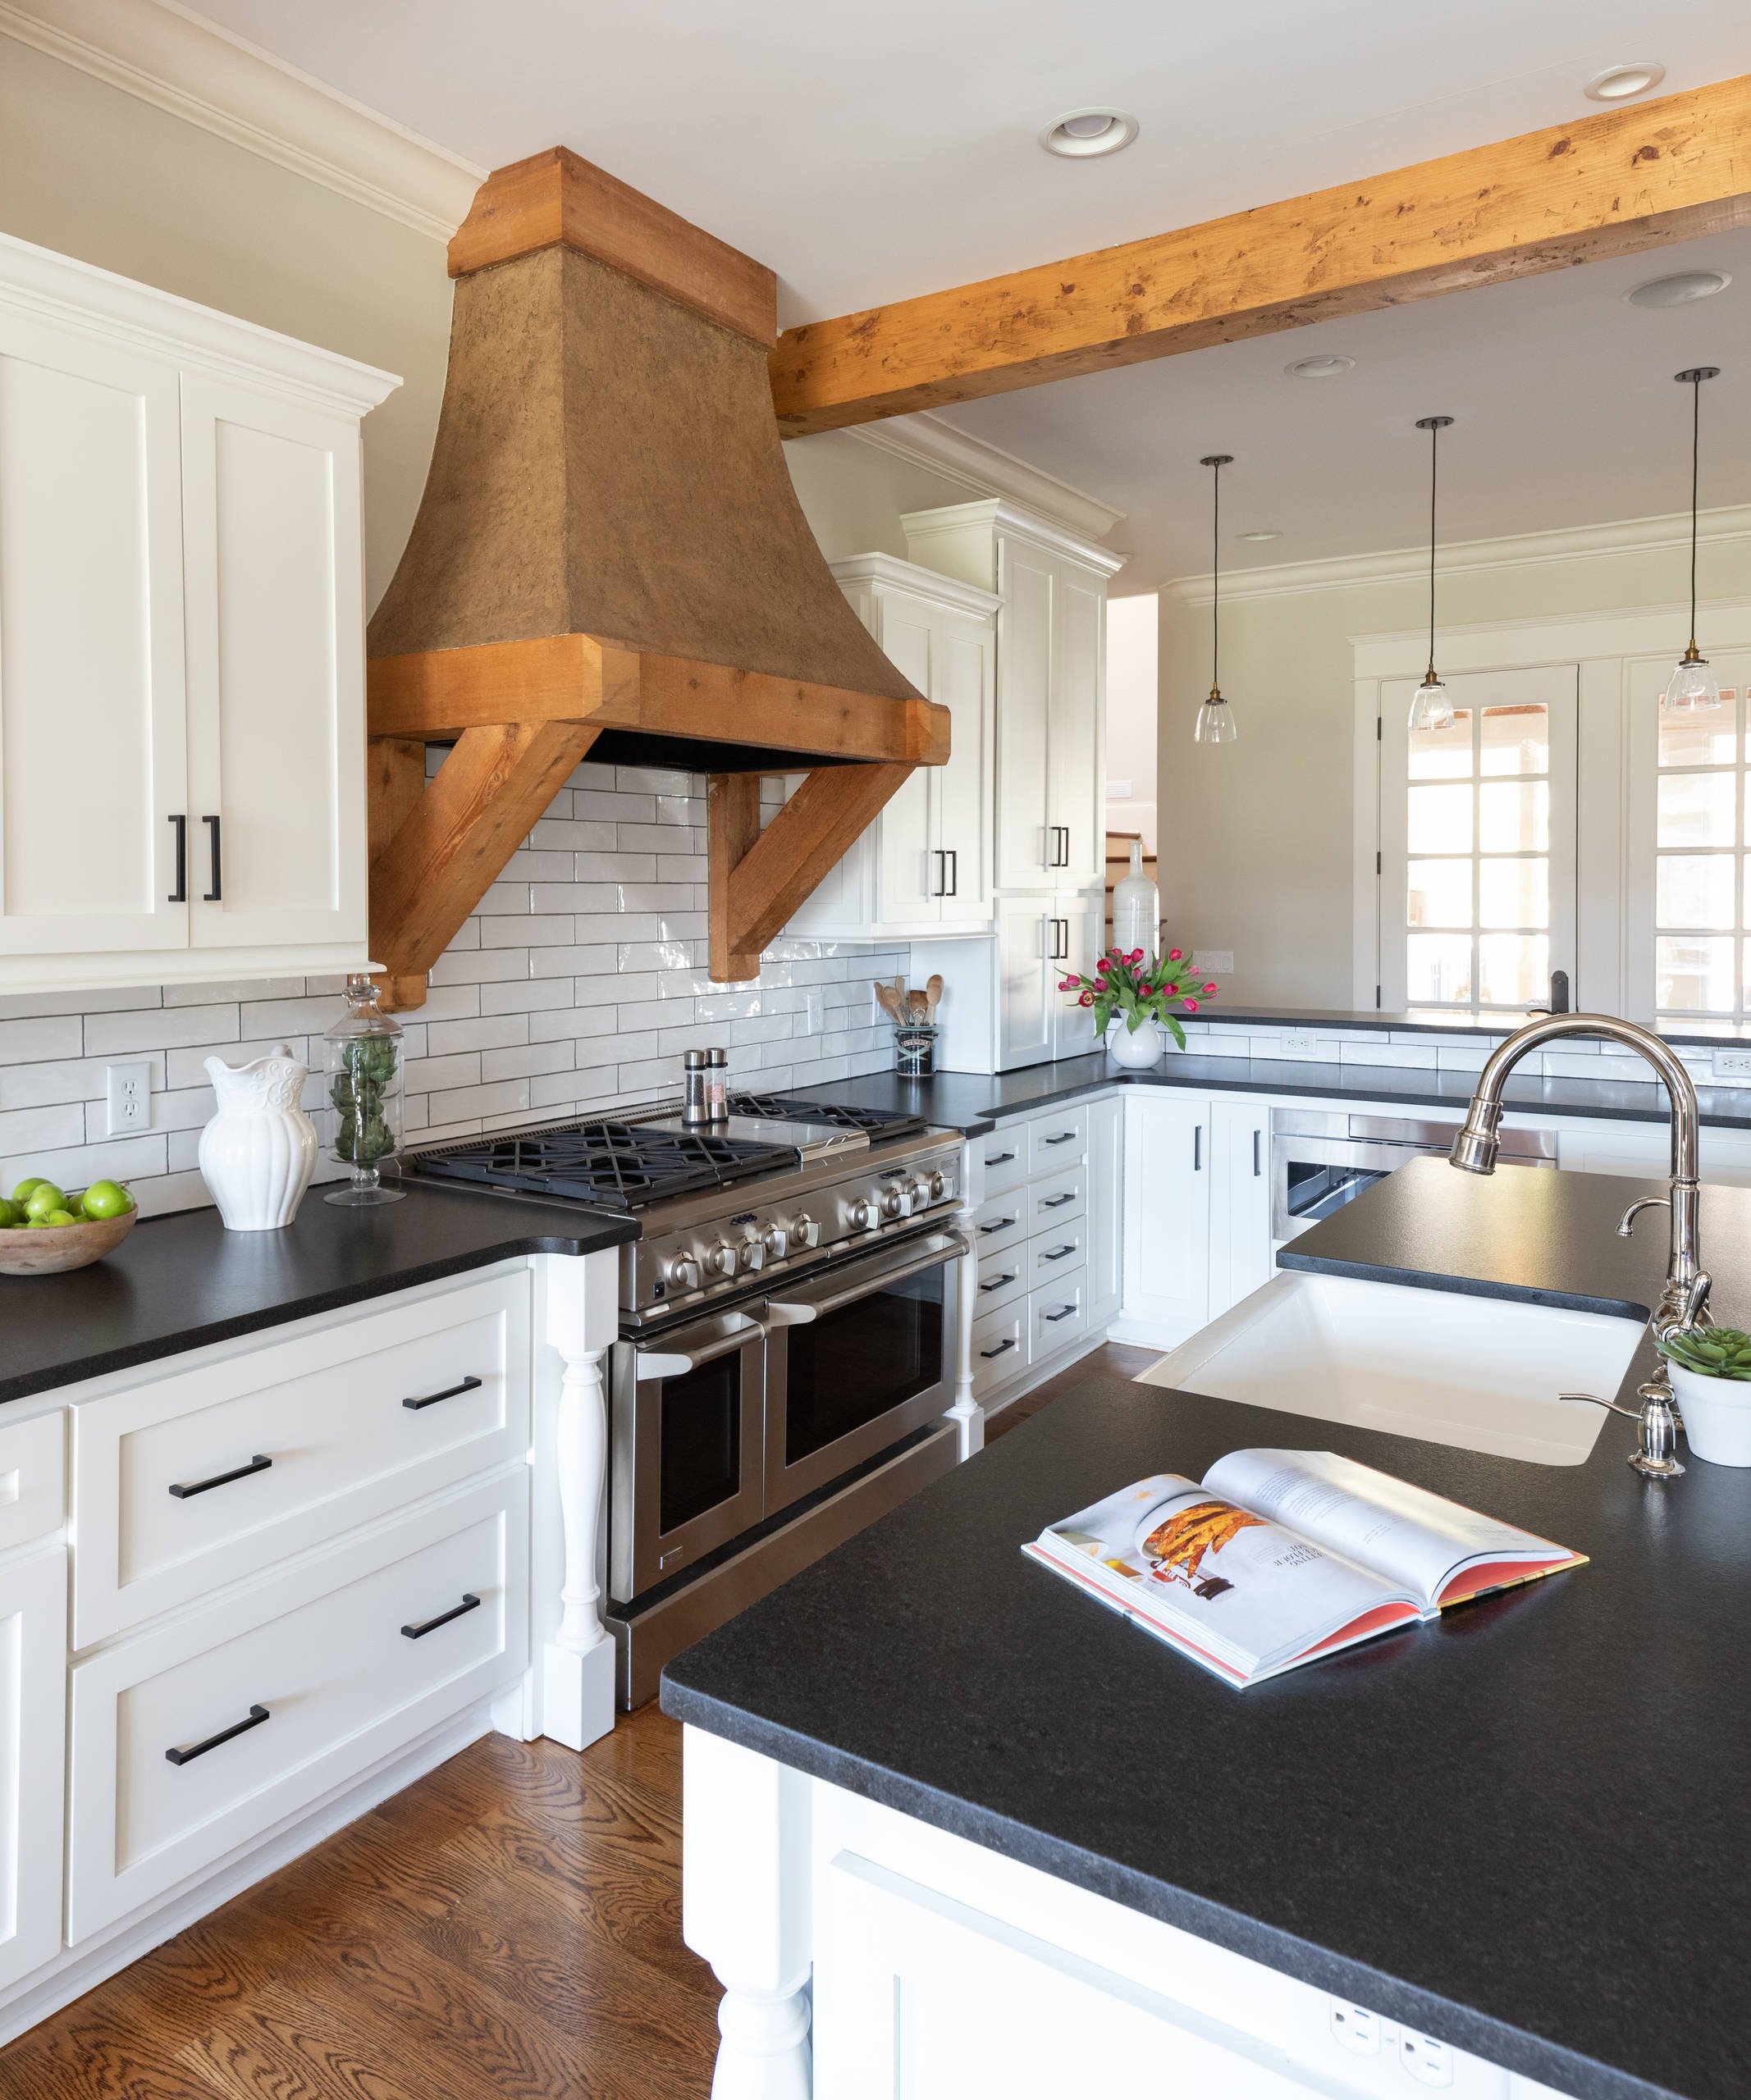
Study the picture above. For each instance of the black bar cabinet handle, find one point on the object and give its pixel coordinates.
(469, 1602)
(954, 858)
(1057, 1253)
(1000, 1349)
(1063, 1313)
(997, 1283)
(1257, 1170)
(1058, 1202)
(187, 1756)
(180, 894)
(449, 1393)
(1197, 1147)
(1064, 1137)
(942, 871)
(212, 896)
(998, 1158)
(997, 1225)
(182, 1489)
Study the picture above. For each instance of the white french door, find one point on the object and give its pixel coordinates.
(1477, 843)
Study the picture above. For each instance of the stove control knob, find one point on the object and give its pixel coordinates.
(683, 1271)
(752, 1252)
(805, 1230)
(776, 1241)
(721, 1261)
(897, 1202)
(938, 1186)
(864, 1215)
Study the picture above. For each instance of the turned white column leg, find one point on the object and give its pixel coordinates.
(745, 1908)
(967, 1414)
(578, 1675)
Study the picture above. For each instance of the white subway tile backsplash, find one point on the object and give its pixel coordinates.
(26, 1041)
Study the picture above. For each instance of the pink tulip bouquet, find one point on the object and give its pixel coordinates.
(1124, 983)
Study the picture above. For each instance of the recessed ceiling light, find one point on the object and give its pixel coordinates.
(1085, 134)
(1679, 288)
(1619, 83)
(1326, 366)
(1260, 536)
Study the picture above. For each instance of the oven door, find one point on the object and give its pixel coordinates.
(687, 1416)
(1313, 1177)
(857, 1358)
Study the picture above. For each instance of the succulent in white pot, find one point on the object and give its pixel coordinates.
(1711, 1374)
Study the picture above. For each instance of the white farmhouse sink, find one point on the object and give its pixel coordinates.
(1482, 1374)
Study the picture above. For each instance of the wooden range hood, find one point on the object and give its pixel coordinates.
(609, 561)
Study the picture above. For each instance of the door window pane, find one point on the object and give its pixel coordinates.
(1443, 754)
(1439, 820)
(1698, 739)
(1694, 976)
(1514, 969)
(1515, 740)
(1438, 968)
(1514, 818)
(1697, 809)
(1514, 893)
(1695, 889)
(1439, 893)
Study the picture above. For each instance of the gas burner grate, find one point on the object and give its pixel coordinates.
(798, 1108)
(615, 1166)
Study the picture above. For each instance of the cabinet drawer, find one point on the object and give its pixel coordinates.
(1057, 1141)
(321, 1653)
(1001, 1276)
(1059, 1253)
(1057, 1315)
(1058, 1199)
(999, 1347)
(33, 1477)
(1000, 1220)
(1004, 1153)
(172, 1497)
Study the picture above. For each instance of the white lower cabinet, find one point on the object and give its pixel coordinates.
(1166, 1207)
(1240, 1202)
(192, 1739)
(33, 1763)
(1106, 1213)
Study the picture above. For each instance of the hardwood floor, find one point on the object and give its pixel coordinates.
(508, 1928)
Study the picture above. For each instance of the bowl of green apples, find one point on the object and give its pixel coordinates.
(44, 1231)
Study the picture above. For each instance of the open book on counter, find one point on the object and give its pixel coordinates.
(1281, 1557)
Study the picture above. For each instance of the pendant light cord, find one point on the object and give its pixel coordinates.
(1696, 448)
(1216, 574)
(1434, 439)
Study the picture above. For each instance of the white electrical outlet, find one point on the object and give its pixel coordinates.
(127, 1090)
(1732, 1064)
(1428, 2062)
(1298, 1043)
(1357, 2028)
(814, 1012)
(1217, 962)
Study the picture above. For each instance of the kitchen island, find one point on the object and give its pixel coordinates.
(1002, 1836)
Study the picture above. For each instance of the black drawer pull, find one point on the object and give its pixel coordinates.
(258, 1714)
(1058, 1202)
(988, 1352)
(997, 1283)
(180, 894)
(997, 1225)
(182, 1489)
(1064, 1137)
(1062, 1313)
(998, 1158)
(469, 1602)
(214, 895)
(1057, 1253)
(449, 1393)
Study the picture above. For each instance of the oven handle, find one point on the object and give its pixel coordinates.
(650, 1364)
(869, 1276)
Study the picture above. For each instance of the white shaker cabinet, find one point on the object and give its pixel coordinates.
(1003, 1008)
(181, 638)
(33, 1726)
(1106, 1209)
(1240, 1202)
(1168, 1170)
(924, 866)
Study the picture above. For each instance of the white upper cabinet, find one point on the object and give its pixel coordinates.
(181, 639)
(924, 866)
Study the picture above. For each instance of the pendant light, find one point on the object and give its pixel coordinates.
(1432, 709)
(1691, 689)
(1215, 717)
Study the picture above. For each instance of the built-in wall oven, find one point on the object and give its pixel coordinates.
(1322, 1159)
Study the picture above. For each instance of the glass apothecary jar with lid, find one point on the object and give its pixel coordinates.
(362, 1061)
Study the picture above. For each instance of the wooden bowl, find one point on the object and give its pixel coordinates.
(48, 1250)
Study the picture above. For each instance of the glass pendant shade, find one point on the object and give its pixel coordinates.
(1430, 706)
(1691, 689)
(1215, 722)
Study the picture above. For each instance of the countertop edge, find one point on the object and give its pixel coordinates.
(1564, 1301)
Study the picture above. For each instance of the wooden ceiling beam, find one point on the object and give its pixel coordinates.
(1612, 184)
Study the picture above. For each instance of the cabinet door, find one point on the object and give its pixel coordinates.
(92, 727)
(1027, 579)
(1081, 921)
(1167, 1216)
(907, 878)
(1075, 743)
(33, 1737)
(1026, 989)
(1240, 1202)
(962, 672)
(276, 668)
(1106, 1209)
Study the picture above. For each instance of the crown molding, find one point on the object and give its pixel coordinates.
(882, 572)
(1631, 535)
(925, 440)
(168, 56)
(996, 513)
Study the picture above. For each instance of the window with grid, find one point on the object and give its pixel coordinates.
(1701, 913)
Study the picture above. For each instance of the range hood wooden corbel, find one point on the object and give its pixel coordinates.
(609, 561)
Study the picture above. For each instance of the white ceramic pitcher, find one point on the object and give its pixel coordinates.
(258, 1153)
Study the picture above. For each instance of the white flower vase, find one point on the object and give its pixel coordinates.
(1137, 1052)
(1716, 1415)
(258, 1153)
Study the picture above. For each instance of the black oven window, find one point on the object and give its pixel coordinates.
(1315, 1191)
(701, 1441)
(853, 1365)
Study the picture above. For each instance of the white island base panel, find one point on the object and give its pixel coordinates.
(866, 1955)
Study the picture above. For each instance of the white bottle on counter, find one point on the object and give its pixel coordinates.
(1136, 908)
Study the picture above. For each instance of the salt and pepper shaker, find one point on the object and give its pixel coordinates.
(696, 1107)
(717, 1086)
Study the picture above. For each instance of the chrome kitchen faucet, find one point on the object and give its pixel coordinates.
(1685, 1294)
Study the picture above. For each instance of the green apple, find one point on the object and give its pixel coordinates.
(11, 1214)
(21, 1194)
(106, 1199)
(58, 1217)
(44, 1198)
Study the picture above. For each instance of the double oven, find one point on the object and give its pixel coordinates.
(744, 1443)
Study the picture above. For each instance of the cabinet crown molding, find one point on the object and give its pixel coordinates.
(881, 572)
(1000, 515)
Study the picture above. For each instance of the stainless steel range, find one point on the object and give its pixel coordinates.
(789, 1324)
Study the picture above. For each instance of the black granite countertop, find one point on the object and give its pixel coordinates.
(972, 1102)
(1427, 1020)
(1520, 1829)
(177, 1283)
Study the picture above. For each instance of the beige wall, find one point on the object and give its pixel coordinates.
(854, 496)
(1133, 681)
(1256, 836)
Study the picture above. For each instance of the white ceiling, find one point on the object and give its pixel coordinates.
(867, 153)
